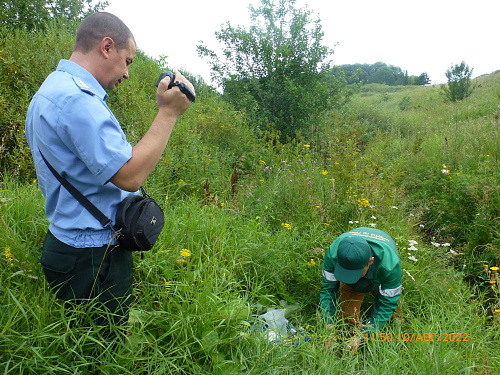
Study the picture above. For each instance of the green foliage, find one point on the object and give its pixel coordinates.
(248, 219)
(35, 15)
(459, 84)
(422, 79)
(276, 70)
(405, 103)
(383, 74)
(21, 74)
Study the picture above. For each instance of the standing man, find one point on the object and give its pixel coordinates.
(69, 121)
(360, 261)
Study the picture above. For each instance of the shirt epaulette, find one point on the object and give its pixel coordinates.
(82, 85)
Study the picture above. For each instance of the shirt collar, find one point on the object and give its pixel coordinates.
(83, 78)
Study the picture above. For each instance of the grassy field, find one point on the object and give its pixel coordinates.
(399, 159)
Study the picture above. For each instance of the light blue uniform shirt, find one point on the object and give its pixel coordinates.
(69, 121)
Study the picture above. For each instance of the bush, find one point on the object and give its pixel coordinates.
(459, 82)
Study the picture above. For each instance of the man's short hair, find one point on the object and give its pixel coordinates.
(98, 26)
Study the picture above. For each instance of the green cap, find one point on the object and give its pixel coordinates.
(353, 254)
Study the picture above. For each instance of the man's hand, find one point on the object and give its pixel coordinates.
(173, 99)
(354, 342)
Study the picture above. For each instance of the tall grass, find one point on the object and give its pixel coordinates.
(247, 222)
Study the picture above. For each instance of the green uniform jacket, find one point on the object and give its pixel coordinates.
(384, 274)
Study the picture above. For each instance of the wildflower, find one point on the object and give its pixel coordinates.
(307, 146)
(411, 257)
(394, 207)
(8, 255)
(222, 204)
(497, 310)
(181, 261)
(324, 172)
(312, 262)
(351, 222)
(363, 202)
(445, 244)
(494, 268)
(309, 182)
(166, 198)
(412, 248)
(435, 244)
(262, 162)
(421, 225)
(327, 224)
(409, 274)
(373, 225)
(287, 226)
(258, 200)
(185, 253)
(373, 217)
(412, 242)
(493, 281)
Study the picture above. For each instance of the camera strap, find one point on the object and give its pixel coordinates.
(103, 219)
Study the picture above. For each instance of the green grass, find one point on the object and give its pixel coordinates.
(197, 314)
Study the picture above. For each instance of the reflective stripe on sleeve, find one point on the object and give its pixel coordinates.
(389, 292)
(329, 276)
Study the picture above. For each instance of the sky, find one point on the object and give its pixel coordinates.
(421, 36)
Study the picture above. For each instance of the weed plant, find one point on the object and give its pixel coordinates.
(248, 220)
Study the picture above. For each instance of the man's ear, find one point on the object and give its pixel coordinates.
(370, 262)
(106, 45)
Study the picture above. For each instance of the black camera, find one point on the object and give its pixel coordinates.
(184, 89)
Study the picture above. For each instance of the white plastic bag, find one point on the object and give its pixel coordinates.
(276, 324)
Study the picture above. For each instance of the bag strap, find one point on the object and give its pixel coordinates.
(103, 219)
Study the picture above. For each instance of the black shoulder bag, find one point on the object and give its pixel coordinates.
(139, 219)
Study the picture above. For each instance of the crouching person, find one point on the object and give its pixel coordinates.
(363, 260)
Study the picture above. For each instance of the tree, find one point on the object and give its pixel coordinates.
(34, 15)
(277, 70)
(422, 80)
(459, 82)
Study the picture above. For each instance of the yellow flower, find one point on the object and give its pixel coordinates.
(497, 310)
(185, 253)
(307, 146)
(324, 172)
(363, 202)
(8, 255)
(494, 268)
(493, 281)
(222, 204)
(287, 226)
(312, 262)
(262, 162)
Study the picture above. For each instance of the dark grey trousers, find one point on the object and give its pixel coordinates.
(102, 275)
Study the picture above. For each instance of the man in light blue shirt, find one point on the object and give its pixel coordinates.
(69, 121)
